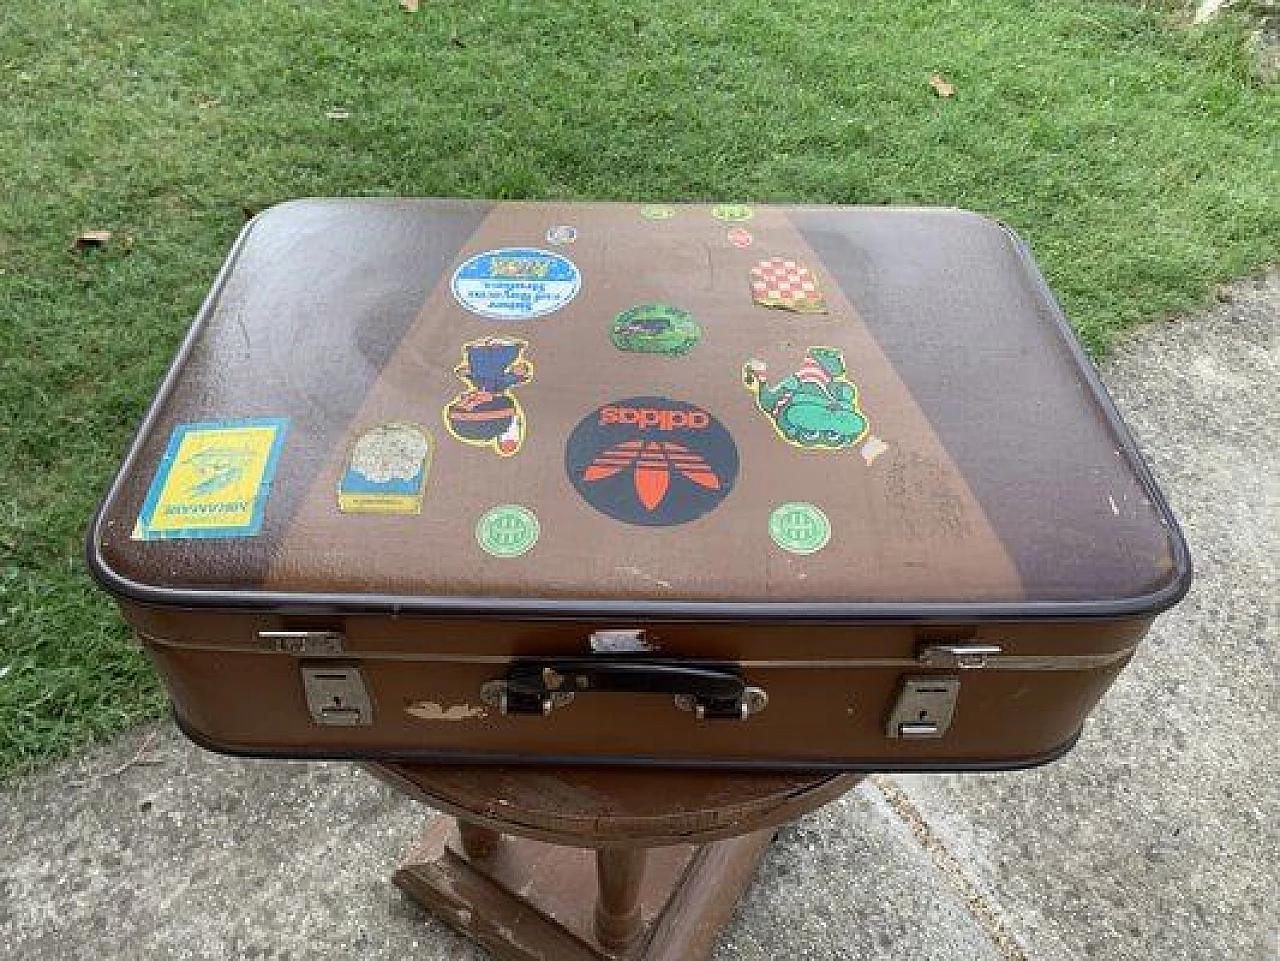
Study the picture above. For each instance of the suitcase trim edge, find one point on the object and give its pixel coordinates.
(626, 760)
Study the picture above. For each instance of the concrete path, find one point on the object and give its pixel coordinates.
(1155, 839)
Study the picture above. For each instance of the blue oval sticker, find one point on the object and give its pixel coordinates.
(516, 283)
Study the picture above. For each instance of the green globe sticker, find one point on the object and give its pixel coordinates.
(508, 530)
(799, 528)
(732, 213)
(657, 211)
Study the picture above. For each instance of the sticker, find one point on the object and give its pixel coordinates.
(488, 414)
(786, 285)
(732, 213)
(562, 235)
(620, 642)
(508, 530)
(431, 711)
(655, 329)
(213, 481)
(651, 461)
(740, 237)
(799, 528)
(815, 407)
(657, 211)
(516, 283)
(386, 471)
(872, 449)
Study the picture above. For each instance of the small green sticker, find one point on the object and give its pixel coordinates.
(657, 211)
(508, 530)
(799, 527)
(655, 329)
(732, 213)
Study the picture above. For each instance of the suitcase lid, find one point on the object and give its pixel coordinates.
(663, 411)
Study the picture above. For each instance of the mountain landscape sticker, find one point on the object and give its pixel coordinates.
(516, 283)
(651, 461)
(213, 481)
(386, 471)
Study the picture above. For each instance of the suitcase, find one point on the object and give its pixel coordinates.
(708, 485)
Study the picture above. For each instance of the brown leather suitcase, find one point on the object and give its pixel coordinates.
(696, 484)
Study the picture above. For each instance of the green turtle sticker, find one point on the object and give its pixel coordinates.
(655, 329)
(732, 213)
(508, 530)
(799, 527)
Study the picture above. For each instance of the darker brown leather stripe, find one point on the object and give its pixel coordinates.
(935, 296)
(323, 291)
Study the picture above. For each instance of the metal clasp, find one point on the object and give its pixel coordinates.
(337, 696)
(964, 656)
(307, 643)
(924, 708)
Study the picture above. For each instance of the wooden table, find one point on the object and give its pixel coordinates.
(580, 864)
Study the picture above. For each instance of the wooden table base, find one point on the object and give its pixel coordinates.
(525, 899)
(584, 864)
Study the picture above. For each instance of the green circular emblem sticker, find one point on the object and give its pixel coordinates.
(657, 211)
(508, 530)
(732, 213)
(799, 528)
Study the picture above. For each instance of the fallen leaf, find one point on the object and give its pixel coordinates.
(92, 238)
(338, 113)
(409, 6)
(208, 103)
(941, 87)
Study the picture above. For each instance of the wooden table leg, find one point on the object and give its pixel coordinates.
(477, 842)
(617, 917)
(529, 901)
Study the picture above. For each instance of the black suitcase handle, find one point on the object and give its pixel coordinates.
(539, 686)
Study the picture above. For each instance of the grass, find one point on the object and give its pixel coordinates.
(1135, 154)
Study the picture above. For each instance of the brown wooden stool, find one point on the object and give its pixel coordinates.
(673, 851)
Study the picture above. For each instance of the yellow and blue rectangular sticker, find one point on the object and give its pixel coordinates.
(214, 480)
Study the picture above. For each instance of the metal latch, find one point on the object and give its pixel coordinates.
(963, 656)
(304, 642)
(337, 696)
(925, 707)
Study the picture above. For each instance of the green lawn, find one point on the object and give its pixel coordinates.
(1134, 153)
